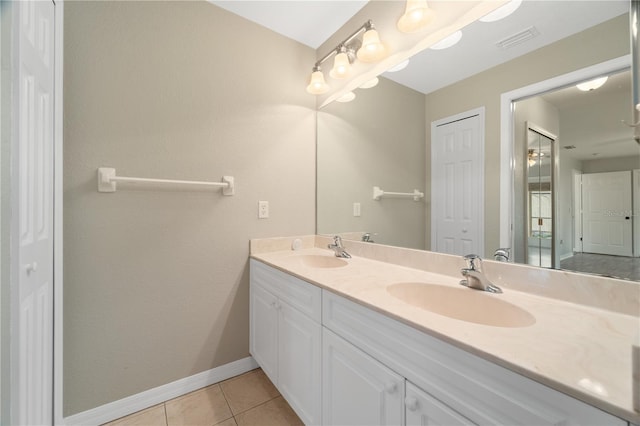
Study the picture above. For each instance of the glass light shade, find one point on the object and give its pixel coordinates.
(317, 85)
(372, 49)
(417, 16)
(371, 83)
(341, 67)
(347, 97)
(592, 84)
(447, 42)
(502, 12)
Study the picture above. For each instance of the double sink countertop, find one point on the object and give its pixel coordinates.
(578, 349)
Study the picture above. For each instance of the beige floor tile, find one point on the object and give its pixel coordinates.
(153, 416)
(204, 407)
(273, 413)
(228, 422)
(248, 390)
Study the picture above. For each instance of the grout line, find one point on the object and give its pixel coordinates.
(256, 406)
(166, 418)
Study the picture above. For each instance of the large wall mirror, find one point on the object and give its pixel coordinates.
(564, 140)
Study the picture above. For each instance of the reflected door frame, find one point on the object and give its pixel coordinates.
(555, 172)
(507, 132)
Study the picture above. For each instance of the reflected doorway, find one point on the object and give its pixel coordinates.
(540, 250)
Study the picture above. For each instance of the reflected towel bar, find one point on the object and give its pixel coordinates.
(379, 193)
(107, 180)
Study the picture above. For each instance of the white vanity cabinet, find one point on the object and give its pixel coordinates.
(286, 337)
(423, 409)
(338, 362)
(357, 389)
(466, 386)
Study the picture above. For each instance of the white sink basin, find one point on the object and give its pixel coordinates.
(321, 261)
(462, 304)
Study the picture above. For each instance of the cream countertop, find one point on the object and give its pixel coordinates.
(580, 350)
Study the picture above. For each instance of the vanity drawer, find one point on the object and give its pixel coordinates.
(481, 391)
(299, 294)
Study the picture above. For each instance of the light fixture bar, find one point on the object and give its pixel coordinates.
(366, 27)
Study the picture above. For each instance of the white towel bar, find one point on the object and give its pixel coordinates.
(379, 193)
(107, 180)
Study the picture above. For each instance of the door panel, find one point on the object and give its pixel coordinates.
(425, 410)
(357, 389)
(34, 328)
(299, 363)
(607, 212)
(457, 186)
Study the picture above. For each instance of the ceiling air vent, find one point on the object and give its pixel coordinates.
(569, 147)
(518, 38)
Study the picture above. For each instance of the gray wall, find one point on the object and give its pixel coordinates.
(617, 164)
(375, 140)
(606, 41)
(156, 281)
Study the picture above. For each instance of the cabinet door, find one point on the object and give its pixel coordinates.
(299, 363)
(423, 409)
(357, 389)
(264, 331)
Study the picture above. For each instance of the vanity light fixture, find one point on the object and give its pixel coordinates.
(341, 64)
(371, 83)
(447, 42)
(590, 85)
(317, 85)
(417, 16)
(370, 49)
(502, 12)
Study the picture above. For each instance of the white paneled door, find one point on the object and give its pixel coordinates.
(607, 213)
(457, 182)
(33, 324)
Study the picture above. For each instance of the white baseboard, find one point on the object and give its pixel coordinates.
(131, 404)
(567, 256)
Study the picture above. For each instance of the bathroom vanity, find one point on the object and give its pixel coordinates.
(358, 341)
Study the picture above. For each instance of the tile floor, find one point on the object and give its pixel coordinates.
(248, 399)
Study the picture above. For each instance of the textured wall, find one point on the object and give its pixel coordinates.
(156, 281)
(375, 140)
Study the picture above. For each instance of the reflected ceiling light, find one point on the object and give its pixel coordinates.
(592, 84)
(317, 85)
(370, 49)
(417, 16)
(531, 160)
(402, 65)
(341, 65)
(371, 83)
(448, 41)
(502, 12)
(347, 97)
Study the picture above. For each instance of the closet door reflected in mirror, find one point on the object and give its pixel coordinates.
(540, 200)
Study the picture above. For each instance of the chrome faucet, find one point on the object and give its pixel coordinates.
(502, 254)
(367, 238)
(474, 278)
(338, 248)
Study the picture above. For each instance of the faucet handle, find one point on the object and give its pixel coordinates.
(473, 261)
